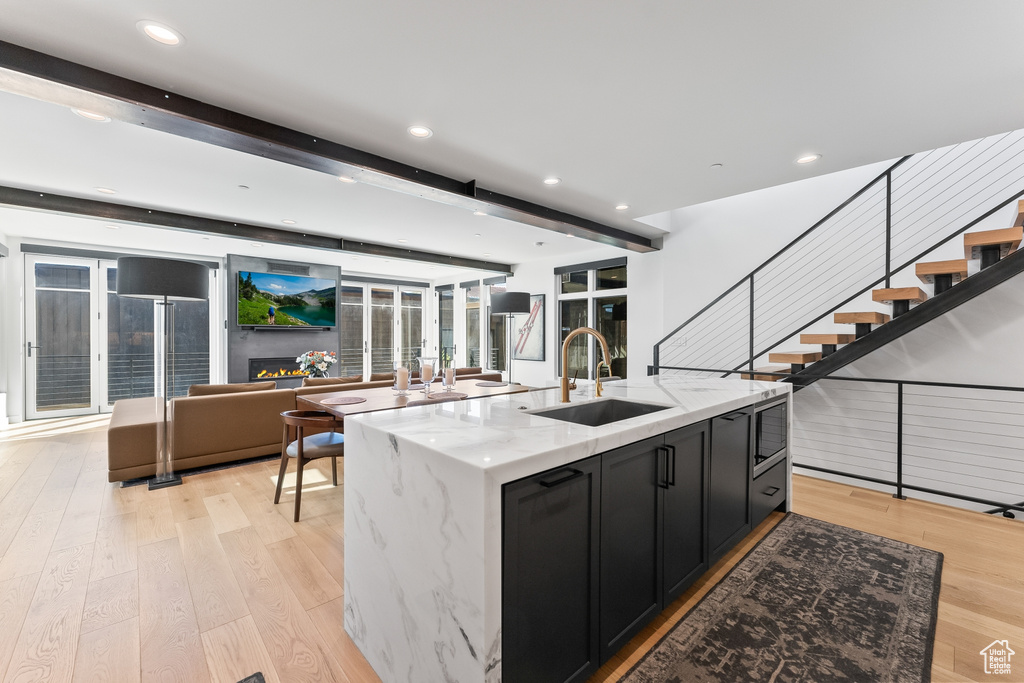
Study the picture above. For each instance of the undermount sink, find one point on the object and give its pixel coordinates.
(600, 412)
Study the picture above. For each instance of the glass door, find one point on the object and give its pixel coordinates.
(88, 347)
(61, 325)
(379, 325)
(412, 343)
(354, 348)
(382, 330)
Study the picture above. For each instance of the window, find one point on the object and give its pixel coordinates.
(593, 295)
(446, 325)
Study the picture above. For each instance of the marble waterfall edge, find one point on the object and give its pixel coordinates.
(414, 603)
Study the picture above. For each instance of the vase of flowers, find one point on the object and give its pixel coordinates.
(316, 363)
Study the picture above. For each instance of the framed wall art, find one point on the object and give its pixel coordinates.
(528, 331)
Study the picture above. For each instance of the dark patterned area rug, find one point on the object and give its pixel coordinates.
(812, 602)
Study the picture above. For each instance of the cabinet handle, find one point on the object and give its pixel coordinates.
(732, 416)
(662, 481)
(672, 477)
(561, 480)
(771, 490)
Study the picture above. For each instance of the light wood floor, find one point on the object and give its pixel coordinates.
(209, 581)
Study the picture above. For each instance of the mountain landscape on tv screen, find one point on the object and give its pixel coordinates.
(295, 301)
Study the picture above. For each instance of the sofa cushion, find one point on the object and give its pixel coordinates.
(212, 389)
(381, 376)
(324, 381)
(467, 371)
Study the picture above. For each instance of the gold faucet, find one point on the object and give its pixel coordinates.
(565, 358)
(599, 375)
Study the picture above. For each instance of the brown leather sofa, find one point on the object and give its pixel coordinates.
(218, 423)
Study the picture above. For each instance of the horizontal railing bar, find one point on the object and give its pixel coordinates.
(911, 382)
(826, 470)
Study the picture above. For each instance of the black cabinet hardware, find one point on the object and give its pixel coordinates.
(734, 416)
(572, 474)
(771, 491)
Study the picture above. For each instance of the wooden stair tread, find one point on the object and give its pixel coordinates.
(797, 357)
(926, 272)
(887, 296)
(861, 317)
(780, 369)
(1020, 214)
(827, 338)
(1008, 239)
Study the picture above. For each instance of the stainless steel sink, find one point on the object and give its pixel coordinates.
(600, 412)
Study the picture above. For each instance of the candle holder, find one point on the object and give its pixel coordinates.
(402, 378)
(448, 379)
(428, 371)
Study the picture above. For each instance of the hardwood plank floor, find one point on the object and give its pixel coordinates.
(123, 586)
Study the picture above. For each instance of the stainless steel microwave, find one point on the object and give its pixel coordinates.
(770, 436)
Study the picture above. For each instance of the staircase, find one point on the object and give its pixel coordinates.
(950, 286)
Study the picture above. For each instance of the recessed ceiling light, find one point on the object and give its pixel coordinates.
(346, 179)
(106, 190)
(622, 207)
(716, 166)
(112, 227)
(161, 33)
(243, 187)
(538, 244)
(91, 115)
(255, 244)
(207, 239)
(402, 241)
(476, 234)
(808, 158)
(552, 181)
(288, 221)
(420, 131)
(487, 253)
(570, 236)
(479, 213)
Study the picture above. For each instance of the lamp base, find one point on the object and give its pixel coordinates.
(164, 481)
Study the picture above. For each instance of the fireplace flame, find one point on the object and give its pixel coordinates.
(281, 373)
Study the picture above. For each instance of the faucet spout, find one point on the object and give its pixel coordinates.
(565, 357)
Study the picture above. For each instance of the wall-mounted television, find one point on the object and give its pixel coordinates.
(273, 300)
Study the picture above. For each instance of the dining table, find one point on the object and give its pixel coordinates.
(343, 403)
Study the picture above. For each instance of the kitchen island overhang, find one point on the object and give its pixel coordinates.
(423, 511)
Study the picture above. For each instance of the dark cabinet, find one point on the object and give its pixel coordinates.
(652, 529)
(728, 482)
(630, 544)
(549, 579)
(595, 550)
(685, 557)
(768, 492)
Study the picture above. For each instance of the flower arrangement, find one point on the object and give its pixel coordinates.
(316, 363)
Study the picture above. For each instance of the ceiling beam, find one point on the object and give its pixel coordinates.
(44, 77)
(109, 211)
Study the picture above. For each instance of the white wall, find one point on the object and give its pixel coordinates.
(713, 245)
(5, 324)
(961, 440)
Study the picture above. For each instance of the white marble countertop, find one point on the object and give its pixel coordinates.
(503, 438)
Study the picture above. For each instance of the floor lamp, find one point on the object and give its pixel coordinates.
(164, 281)
(510, 303)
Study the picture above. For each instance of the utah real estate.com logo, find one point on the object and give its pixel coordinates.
(997, 657)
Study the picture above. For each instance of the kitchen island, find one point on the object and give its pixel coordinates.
(424, 494)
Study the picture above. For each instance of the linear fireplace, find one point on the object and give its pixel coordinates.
(279, 369)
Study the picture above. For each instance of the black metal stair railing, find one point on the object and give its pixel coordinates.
(916, 205)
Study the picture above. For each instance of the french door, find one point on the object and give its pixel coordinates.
(88, 347)
(379, 325)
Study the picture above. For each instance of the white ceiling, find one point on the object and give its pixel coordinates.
(625, 102)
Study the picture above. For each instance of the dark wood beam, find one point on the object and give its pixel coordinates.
(44, 77)
(76, 206)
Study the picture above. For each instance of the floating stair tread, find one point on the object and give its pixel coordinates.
(1020, 214)
(927, 271)
(827, 338)
(779, 369)
(1007, 239)
(862, 317)
(794, 357)
(887, 296)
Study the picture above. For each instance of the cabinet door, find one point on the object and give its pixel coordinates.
(630, 562)
(685, 453)
(549, 599)
(728, 499)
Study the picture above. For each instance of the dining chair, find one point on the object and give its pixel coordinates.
(328, 444)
